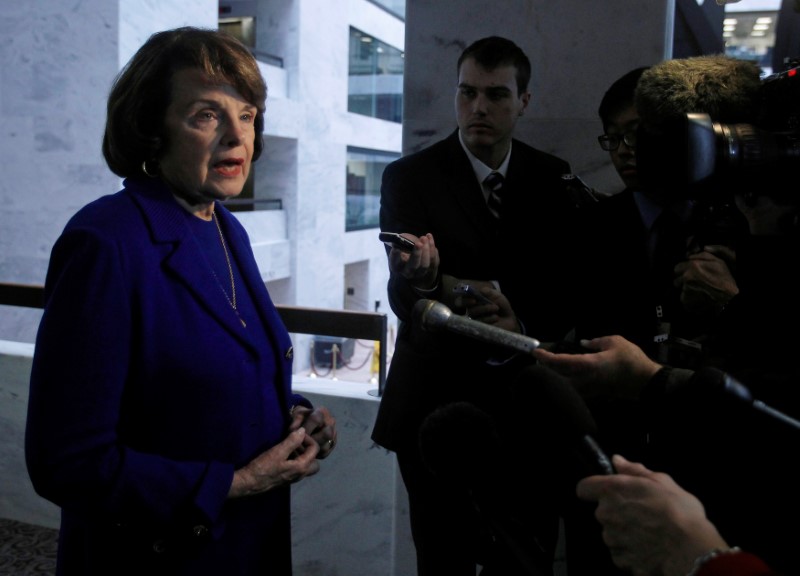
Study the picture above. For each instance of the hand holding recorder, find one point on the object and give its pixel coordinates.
(397, 240)
(414, 258)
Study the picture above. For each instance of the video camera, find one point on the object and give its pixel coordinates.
(772, 144)
(700, 150)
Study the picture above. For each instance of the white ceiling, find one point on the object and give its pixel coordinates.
(753, 6)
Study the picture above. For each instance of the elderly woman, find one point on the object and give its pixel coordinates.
(161, 417)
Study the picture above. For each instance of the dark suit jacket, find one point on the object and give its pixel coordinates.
(529, 252)
(619, 298)
(625, 290)
(147, 393)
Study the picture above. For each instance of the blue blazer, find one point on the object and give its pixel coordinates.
(147, 393)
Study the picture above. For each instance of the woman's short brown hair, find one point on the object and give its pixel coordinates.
(141, 92)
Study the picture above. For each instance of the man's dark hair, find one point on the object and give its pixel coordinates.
(620, 95)
(494, 51)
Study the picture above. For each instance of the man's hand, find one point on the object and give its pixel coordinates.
(497, 312)
(650, 524)
(420, 266)
(612, 366)
(706, 280)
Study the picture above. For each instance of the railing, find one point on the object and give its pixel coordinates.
(261, 203)
(301, 320)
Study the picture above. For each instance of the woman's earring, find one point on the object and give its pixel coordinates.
(144, 169)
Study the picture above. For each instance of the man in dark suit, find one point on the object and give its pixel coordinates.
(516, 247)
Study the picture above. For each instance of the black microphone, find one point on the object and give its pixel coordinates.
(458, 441)
(463, 443)
(718, 383)
(435, 316)
(520, 466)
(562, 417)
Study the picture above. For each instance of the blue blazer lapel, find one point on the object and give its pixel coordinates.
(242, 253)
(167, 223)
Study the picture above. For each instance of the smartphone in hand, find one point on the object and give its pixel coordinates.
(395, 240)
(464, 289)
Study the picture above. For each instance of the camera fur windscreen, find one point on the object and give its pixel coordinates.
(700, 149)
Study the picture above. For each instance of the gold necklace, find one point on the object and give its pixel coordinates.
(232, 298)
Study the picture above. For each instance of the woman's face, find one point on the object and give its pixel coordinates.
(210, 136)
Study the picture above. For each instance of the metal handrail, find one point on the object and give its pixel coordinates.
(298, 319)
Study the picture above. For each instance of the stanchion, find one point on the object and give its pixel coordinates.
(313, 372)
(334, 356)
(376, 362)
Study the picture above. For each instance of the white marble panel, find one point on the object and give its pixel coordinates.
(350, 518)
(51, 91)
(276, 79)
(283, 118)
(141, 18)
(18, 500)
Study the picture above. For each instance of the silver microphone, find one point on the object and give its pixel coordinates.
(435, 316)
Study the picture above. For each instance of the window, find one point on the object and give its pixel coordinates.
(375, 86)
(749, 31)
(395, 7)
(364, 171)
(243, 29)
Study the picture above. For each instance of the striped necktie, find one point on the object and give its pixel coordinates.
(494, 182)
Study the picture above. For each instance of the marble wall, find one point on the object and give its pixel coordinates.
(352, 517)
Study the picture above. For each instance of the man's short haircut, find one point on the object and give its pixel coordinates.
(494, 51)
(620, 95)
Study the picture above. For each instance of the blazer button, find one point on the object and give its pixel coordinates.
(200, 531)
(160, 546)
(290, 353)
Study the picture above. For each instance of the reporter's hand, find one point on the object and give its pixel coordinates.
(285, 463)
(499, 313)
(612, 366)
(706, 280)
(420, 266)
(319, 424)
(651, 525)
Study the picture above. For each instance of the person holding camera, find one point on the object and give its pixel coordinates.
(666, 259)
(650, 279)
(712, 441)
